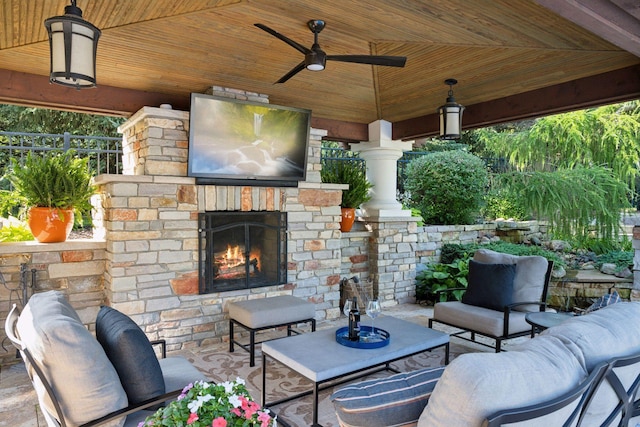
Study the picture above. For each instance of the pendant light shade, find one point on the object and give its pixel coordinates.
(73, 44)
(450, 115)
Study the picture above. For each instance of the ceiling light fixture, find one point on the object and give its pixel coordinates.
(450, 115)
(73, 44)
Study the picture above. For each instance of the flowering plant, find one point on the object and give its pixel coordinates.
(204, 404)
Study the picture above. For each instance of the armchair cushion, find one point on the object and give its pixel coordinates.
(87, 385)
(394, 401)
(131, 353)
(490, 285)
(529, 281)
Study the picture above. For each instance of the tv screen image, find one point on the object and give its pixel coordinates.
(247, 143)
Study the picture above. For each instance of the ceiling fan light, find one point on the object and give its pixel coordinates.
(315, 67)
(73, 44)
(450, 115)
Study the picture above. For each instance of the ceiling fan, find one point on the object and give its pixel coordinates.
(315, 58)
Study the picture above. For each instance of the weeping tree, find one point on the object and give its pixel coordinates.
(608, 135)
(577, 202)
(577, 170)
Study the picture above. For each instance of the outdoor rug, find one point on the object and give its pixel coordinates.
(220, 365)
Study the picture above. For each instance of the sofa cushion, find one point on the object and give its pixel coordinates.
(528, 283)
(611, 332)
(476, 385)
(86, 384)
(394, 401)
(597, 337)
(489, 285)
(131, 353)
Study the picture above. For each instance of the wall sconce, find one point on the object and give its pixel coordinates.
(73, 44)
(450, 115)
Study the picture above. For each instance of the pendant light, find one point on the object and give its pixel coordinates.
(450, 115)
(73, 44)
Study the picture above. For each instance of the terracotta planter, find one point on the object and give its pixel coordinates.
(50, 225)
(348, 217)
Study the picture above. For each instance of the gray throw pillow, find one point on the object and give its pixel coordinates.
(397, 400)
(131, 353)
(489, 285)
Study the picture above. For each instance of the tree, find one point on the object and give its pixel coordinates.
(608, 136)
(577, 170)
(14, 118)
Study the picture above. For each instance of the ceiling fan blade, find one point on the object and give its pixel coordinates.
(293, 72)
(390, 61)
(285, 39)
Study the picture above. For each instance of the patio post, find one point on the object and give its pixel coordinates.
(381, 154)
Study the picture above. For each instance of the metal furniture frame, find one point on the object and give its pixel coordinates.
(507, 310)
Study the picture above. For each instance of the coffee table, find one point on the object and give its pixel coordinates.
(318, 357)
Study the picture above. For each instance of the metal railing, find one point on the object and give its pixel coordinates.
(104, 153)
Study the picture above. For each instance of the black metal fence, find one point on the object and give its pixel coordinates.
(104, 153)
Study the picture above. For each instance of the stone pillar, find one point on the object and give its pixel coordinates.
(155, 142)
(381, 154)
(392, 259)
(635, 291)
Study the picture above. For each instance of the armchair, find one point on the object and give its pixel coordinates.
(76, 383)
(502, 288)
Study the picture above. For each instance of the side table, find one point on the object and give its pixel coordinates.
(541, 320)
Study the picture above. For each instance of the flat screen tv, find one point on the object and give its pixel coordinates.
(233, 142)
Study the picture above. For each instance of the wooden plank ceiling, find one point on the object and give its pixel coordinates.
(496, 49)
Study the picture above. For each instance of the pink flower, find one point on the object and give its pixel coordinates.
(236, 412)
(193, 417)
(245, 402)
(264, 418)
(219, 422)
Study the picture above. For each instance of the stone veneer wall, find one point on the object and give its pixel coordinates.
(148, 217)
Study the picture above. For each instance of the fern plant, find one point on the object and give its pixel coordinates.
(55, 180)
(351, 173)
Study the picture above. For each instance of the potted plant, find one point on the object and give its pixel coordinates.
(53, 187)
(348, 172)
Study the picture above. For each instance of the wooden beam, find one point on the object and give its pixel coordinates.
(615, 86)
(34, 90)
(615, 21)
(342, 131)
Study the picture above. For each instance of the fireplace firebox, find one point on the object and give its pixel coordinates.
(242, 250)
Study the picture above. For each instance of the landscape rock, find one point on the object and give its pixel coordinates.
(608, 268)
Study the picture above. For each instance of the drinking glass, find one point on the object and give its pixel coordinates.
(373, 310)
(347, 307)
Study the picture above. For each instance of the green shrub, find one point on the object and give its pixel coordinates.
(447, 187)
(14, 230)
(622, 259)
(502, 204)
(451, 252)
(438, 276)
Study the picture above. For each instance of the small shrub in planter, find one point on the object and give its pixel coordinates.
(448, 187)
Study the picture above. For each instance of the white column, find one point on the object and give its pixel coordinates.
(381, 154)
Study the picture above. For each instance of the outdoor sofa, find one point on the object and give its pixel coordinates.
(476, 386)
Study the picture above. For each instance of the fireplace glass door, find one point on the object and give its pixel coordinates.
(241, 250)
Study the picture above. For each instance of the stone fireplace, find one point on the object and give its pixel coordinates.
(241, 250)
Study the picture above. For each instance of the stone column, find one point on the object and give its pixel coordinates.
(381, 154)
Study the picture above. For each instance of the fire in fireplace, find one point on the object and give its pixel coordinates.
(241, 250)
